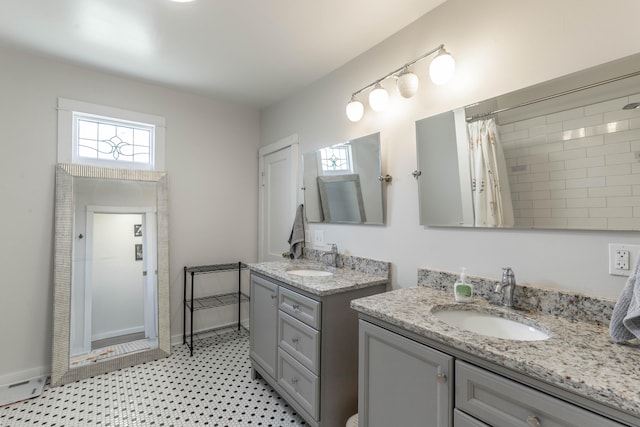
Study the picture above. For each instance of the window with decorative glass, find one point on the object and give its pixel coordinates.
(336, 159)
(110, 137)
(107, 139)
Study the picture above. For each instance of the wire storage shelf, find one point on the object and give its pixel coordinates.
(192, 304)
(217, 301)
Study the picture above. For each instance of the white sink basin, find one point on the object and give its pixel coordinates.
(310, 273)
(490, 325)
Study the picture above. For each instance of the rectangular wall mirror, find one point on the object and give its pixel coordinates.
(564, 154)
(111, 278)
(342, 183)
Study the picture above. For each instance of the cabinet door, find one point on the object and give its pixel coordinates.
(264, 324)
(402, 382)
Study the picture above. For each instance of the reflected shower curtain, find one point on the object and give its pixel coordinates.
(492, 205)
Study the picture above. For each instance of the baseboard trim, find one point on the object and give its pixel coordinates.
(24, 375)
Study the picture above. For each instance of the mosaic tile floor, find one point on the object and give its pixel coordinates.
(211, 388)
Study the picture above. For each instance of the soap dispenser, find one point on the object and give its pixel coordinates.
(462, 290)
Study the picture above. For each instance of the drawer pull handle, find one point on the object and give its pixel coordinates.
(533, 421)
(441, 378)
(296, 307)
(273, 296)
(295, 340)
(294, 381)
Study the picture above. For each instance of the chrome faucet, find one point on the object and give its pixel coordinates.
(333, 256)
(507, 286)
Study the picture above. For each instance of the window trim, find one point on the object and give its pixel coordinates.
(66, 131)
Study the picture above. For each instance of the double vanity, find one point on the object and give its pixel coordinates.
(412, 356)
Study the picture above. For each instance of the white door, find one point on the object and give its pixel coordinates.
(278, 197)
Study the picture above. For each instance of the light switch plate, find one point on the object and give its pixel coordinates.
(318, 238)
(622, 258)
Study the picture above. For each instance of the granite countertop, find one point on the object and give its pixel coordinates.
(342, 280)
(579, 356)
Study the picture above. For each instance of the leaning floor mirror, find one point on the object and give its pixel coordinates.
(111, 271)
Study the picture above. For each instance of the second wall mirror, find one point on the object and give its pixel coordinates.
(564, 154)
(342, 183)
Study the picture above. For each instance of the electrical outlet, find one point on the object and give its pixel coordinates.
(622, 258)
(318, 238)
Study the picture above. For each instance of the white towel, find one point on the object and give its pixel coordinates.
(296, 239)
(625, 319)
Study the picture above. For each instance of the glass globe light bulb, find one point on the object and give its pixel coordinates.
(378, 98)
(355, 110)
(442, 67)
(408, 84)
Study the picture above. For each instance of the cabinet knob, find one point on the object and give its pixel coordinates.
(295, 340)
(273, 296)
(533, 421)
(296, 307)
(441, 378)
(294, 381)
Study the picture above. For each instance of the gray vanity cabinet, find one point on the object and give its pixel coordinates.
(405, 382)
(263, 322)
(402, 382)
(306, 347)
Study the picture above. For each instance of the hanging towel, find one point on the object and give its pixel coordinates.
(625, 319)
(296, 239)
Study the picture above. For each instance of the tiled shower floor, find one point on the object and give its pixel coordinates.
(211, 388)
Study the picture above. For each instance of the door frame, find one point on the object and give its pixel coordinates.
(149, 234)
(292, 142)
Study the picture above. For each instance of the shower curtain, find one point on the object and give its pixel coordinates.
(490, 185)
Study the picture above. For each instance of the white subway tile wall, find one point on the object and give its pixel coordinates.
(578, 168)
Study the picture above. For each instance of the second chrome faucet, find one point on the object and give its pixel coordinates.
(507, 286)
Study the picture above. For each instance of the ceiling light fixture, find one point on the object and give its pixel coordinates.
(441, 70)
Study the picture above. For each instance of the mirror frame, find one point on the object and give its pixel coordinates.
(61, 372)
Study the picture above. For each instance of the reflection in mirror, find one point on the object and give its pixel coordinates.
(111, 271)
(342, 182)
(559, 155)
(341, 199)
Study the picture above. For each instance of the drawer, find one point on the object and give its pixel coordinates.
(300, 383)
(300, 341)
(500, 402)
(460, 419)
(302, 308)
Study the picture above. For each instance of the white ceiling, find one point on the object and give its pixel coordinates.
(255, 52)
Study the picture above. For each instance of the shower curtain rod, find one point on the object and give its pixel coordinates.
(546, 98)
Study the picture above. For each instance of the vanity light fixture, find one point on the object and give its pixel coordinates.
(441, 70)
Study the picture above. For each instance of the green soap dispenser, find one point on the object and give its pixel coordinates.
(462, 290)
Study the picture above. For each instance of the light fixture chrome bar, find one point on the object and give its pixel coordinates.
(548, 97)
(408, 64)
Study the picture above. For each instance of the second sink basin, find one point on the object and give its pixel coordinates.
(490, 324)
(310, 272)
